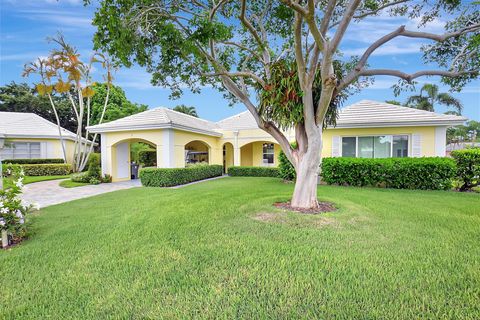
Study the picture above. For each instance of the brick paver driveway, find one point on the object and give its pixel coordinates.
(47, 193)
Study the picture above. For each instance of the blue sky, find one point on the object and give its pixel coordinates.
(25, 25)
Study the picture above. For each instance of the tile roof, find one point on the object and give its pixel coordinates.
(159, 118)
(368, 113)
(29, 125)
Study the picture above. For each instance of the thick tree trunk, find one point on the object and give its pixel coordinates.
(307, 169)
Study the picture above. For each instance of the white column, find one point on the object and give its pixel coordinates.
(104, 154)
(236, 150)
(440, 141)
(168, 149)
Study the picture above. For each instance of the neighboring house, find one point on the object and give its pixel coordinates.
(365, 129)
(460, 146)
(30, 136)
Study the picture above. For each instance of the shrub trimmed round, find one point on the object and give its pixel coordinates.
(169, 177)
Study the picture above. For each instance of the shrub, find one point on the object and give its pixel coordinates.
(80, 177)
(33, 161)
(468, 167)
(168, 177)
(107, 178)
(286, 170)
(47, 169)
(94, 169)
(399, 173)
(148, 158)
(253, 172)
(13, 213)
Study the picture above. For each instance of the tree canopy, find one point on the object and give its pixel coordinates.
(430, 96)
(186, 109)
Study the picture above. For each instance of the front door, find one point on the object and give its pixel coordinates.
(123, 161)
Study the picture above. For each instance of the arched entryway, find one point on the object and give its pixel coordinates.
(197, 152)
(227, 150)
(259, 153)
(130, 155)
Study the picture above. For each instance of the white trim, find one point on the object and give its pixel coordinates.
(409, 139)
(154, 126)
(447, 123)
(168, 148)
(103, 154)
(440, 141)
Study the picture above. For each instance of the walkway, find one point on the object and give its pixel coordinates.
(47, 193)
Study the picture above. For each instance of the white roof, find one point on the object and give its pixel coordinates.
(368, 113)
(365, 113)
(159, 118)
(241, 121)
(29, 125)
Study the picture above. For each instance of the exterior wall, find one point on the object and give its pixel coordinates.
(427, 135)
(246, 155)
(228, 157)
(51, 148)
(181, 138)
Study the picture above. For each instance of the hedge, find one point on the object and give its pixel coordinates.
(46, 169)
(253, 172)
(33, 161)
(168, 177)
(286, 170)
(468, 167)
(399, 173)
(148, 158)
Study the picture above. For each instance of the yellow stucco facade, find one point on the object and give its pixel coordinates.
(228, 148)
(49, 148)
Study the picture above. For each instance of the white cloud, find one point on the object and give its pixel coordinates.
(24, 56)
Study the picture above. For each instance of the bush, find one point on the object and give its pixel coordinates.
(33, 161)
(47, 169)
(286, 170)
(253, 172)
(94, 169)
(399, 173)
(468, 167)
(168, 177)
(107, 178)
(148, 158)
(80, 177)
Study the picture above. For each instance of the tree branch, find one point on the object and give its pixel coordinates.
(409, 77)
(243, 74)
(342, 28)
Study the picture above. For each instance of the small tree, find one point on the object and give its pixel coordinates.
(191, 111)
(430, 96)
(63, 73)
(239, 47)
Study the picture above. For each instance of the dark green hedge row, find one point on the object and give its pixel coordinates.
(399, 173)
(33, 161)
(468, 167)
(46, 169)
(253, 172)
(168, 177)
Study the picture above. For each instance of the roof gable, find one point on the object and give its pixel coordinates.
(18, 124)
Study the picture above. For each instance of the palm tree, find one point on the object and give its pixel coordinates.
(429, 97)
(186, 109)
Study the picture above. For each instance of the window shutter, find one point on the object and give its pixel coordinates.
(336, 146)
(416, 145)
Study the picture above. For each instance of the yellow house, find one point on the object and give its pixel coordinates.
(364, 129)
(30, 136)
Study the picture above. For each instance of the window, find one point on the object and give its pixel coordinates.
(375, 146)
(349, 147)
(21, 150)
(400, 146)
(268, 153)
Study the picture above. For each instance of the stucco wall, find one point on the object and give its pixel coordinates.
(51, 148)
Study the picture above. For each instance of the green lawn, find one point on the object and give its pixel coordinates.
(32, 179)
(205, 251)
(72, 184)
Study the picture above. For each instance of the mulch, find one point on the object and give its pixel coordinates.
(322, 207)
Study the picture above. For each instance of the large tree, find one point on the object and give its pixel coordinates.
(239, 46)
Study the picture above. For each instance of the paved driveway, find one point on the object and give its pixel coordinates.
(47, 193)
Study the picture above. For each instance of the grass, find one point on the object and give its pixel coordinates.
(31, 179)
(72, 184)
(206, 251)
